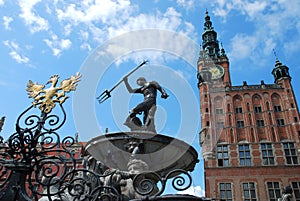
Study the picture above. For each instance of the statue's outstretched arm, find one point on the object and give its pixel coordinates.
(129, 88)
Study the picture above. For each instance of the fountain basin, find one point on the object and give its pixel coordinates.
(162, 153)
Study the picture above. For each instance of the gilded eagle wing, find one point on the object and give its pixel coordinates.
(34, 89)
(71, 83)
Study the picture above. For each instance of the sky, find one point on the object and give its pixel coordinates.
(42, 38)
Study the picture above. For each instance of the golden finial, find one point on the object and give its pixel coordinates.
(46, 98)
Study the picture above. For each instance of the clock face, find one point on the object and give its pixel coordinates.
(217, 72)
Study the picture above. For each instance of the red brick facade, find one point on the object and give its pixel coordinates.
(250, 133)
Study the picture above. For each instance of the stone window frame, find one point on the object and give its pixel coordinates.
(240, 124)
(223, 155)
(277, 108)
(220, 124)
(219, 111)
(257, 109)
(273, 186)
(296, 190)
(244, 155)
(226, 190)
(238, 110)
(280, 122)
(249, 189)
(260, 123)
(267, 157)
(290, 153)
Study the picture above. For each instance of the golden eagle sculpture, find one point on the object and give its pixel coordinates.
(46, 98)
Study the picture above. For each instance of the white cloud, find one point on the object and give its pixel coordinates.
(15, 52)
(253, 8)
(96, 21)
(89, 11)
(19, 58)
(68, 29)
(170, 20)
(118, 17)
(196, 191)
(35, 22)
(249, 8)
(242, 46)
(86, 46)
(1, 2)
(58, 45)
(274, 21)
(187, 4)
(84, 34)
(6, 22)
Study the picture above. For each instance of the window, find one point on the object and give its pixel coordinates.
(220, 124)
(207, 123)
(260, 123)
(219, 111)
(225, 191)
(296, 190)
(296, 119)
(257, 109)
(206, 109)
(267, 154)
(268, 105)
(228, 107)
(240, 124)
(290, 153)
(244, 153)
(248, 107)
(277, 108)
(238, 110)
(223, 159)
(249, 193)
(280, 122)
(273, 191)
(292, 105)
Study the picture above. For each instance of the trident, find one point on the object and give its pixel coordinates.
(107, 93)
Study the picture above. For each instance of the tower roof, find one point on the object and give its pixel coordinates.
(280, 71)
(210, 43)
(207, 23)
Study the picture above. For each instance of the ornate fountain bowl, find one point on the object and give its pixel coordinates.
(161, 153)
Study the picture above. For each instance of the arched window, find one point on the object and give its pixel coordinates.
(276, 101)
(256, 99)
(268, 105)
(237, 102)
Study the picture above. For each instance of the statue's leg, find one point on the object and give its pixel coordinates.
(138, 109)
(145, 117)
(132, 121)
(150, 119)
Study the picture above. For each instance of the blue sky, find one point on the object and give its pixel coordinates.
(42, 38)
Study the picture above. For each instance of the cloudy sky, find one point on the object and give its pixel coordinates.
(42, 38)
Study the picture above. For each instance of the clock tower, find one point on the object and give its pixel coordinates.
(213, 78)
(212, 59)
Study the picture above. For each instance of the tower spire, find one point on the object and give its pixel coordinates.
(209, 37)
(277, 62)
(275, 54)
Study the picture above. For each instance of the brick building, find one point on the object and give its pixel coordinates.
(250, 133)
